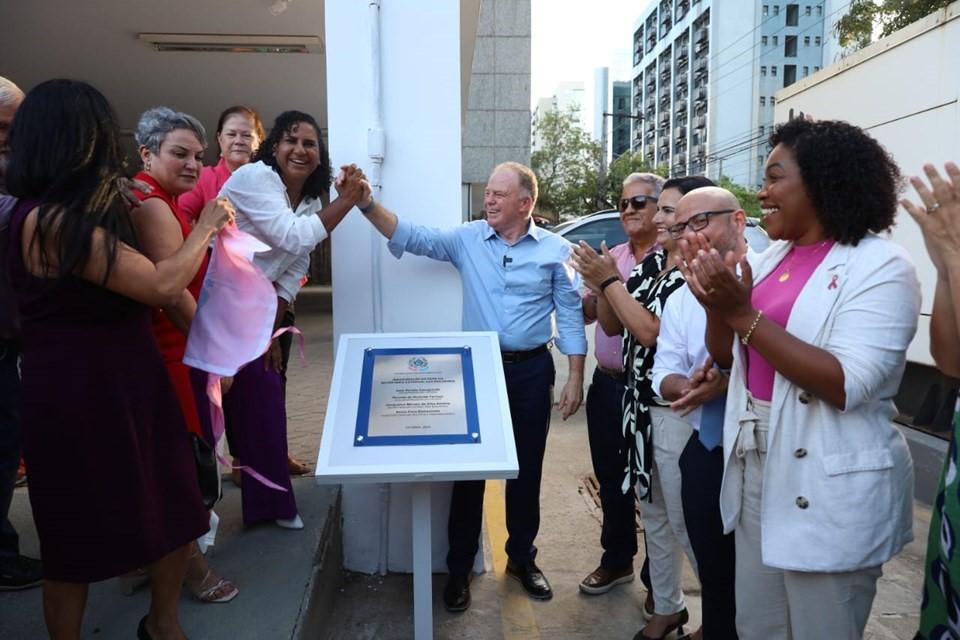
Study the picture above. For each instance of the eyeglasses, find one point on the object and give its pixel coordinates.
(637, 202)
(696, 222)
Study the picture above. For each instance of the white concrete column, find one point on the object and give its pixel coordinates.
(421, 117)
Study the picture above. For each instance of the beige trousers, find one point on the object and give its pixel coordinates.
(663, 517)
(774, 604)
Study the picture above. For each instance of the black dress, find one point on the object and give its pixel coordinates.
(113, 484)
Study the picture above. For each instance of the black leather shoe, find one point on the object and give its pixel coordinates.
(532, 579)
(456, 593)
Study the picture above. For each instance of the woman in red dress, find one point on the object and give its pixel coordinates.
(171, 148)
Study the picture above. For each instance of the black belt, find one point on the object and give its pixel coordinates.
(513, 357)
(619, 376)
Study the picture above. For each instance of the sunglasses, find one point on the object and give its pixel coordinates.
(696, 222)
(637, 202)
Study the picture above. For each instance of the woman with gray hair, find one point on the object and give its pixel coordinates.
(171, 148)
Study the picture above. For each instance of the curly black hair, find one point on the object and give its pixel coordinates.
(850, 178)
(319, 181)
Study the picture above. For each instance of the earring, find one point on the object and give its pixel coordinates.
(146, 166)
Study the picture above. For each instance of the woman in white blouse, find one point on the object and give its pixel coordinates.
(818, 481)
(277, 198)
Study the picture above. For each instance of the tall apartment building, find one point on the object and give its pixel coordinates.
(568, 96)
(620, 125)
(705, 75)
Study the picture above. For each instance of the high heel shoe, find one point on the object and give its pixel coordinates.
(683, 618)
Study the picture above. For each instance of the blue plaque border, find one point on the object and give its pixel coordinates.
(361, 437)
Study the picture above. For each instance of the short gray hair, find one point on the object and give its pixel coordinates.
(10, 94)
(156, 123)
(651, 179)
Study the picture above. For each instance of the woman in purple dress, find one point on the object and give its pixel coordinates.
(113, 484)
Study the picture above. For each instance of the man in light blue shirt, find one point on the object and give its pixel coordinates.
(515, 276)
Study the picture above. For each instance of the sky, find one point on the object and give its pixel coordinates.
(570, 38)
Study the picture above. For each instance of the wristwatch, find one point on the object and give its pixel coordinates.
(367, 209)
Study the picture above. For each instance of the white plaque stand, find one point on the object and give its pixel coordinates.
(493, 455)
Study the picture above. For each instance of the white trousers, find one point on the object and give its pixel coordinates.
(663, 517)
(774, 604)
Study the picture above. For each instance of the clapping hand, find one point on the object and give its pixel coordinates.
(713, 279)
(939, 217)
(595, 268)
(705, 384)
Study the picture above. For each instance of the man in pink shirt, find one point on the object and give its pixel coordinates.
(618, 536)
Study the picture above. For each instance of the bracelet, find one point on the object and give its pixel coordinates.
(609, 281)
(367, 209)
(746, 338)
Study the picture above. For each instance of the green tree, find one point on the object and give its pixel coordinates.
(567, 166)
(747, 197)
(856, 28)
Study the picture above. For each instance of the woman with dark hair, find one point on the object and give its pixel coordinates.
(818, 481)
(633, 309)
(278, 201)
(938, 216)
(239, 134)
(171, 149)
(113, 484)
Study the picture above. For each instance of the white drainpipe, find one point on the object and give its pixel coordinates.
(376, 142)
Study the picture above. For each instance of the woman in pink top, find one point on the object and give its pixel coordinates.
(239, 134)
(818, 481)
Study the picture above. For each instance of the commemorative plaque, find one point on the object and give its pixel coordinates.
(414, 396)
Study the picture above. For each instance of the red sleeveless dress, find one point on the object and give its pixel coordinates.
(171, 341)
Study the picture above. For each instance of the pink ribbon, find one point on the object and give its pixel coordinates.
(217, 422)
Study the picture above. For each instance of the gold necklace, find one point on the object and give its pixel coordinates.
(786, 274)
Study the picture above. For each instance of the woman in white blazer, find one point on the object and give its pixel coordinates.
(818, 481)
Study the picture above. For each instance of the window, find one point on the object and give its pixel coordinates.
(763, 71)
(763, 40)
(819, 10)
(773, 101)
(776, 40)
(807, 10)
(806, 41)
(776, 9)
(789, 74)
(773, 71)
(609, 230)
(806, 71)
(793, 15)
(817, 41)
(790, 46)
(766, 11)
(763, 101)
(815, 69)
(763, 130)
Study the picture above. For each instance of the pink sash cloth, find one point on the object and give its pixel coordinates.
(233, 325)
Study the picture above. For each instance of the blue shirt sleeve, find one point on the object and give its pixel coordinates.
(571, 339)
(439, 244)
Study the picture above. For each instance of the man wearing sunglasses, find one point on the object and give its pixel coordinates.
(684, 375)
(618, 535)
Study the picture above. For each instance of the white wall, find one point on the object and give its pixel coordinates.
(420, 59)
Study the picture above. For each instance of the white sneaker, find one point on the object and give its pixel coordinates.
(293, 523)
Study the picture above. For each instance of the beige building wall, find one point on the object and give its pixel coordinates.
(497, 123)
